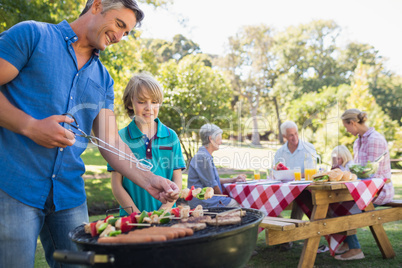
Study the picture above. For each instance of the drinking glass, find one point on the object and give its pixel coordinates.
(256, 174)
(297, 172)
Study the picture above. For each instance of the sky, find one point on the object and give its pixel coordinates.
(210, 23)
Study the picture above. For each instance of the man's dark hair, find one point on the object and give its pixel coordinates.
(117, 4)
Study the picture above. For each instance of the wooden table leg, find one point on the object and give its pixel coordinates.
(381, 238)
(309, 252)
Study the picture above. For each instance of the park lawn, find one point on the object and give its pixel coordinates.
(99, 196)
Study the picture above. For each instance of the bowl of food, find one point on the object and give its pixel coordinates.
(284, 175)
(364, 171)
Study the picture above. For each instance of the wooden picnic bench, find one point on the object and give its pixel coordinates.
(280, 230)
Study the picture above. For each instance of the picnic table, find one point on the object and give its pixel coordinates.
(349, 203)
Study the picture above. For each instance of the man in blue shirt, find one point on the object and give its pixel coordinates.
(48, 70)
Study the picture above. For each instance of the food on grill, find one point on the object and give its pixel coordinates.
(169, 232)
(125, 224)
(196, 219)
(125, 238)
(239, 212)
(194, 226)
(225, 220)
(191, 220)
(109, 228)
(198, 211)
(200, 193)
(184, 211)
(152, 234)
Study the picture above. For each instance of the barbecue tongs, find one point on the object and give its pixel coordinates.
(381, 157)
(141, 164)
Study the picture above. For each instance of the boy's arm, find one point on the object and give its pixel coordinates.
(121, 195)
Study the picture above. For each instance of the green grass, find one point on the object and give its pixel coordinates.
(100, 198)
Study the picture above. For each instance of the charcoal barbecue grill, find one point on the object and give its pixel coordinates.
(216, 246)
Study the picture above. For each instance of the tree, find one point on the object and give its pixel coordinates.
(250, 65)
(195, 94)
(177, 49)
(361, 98)
(387, 90)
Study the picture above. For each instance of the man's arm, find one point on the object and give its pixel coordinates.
(8, 72)
(105, 128)
(47, 132)
(177, 178)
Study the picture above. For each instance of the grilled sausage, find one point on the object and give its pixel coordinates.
(123, 238)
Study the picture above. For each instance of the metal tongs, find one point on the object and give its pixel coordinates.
(381, 157)
(141, 164)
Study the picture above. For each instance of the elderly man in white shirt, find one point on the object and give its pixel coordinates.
(292, 154)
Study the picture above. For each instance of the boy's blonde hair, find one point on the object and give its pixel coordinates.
(137, 86)
(343, 152)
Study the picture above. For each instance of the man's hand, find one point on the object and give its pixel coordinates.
(162, 189)
(49, 133)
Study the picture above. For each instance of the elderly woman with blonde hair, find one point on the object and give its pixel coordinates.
(203, 173)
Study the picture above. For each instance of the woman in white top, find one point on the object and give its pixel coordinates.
(341, 158)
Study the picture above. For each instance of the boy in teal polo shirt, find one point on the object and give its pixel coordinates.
(148, 139)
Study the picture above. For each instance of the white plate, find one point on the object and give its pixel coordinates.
(300, 182)
(267, 182)
(246, 182)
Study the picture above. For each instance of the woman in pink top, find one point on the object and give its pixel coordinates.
(367, 147)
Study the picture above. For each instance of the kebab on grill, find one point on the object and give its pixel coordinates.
(112, 226)
(200, 193)
(152, 234)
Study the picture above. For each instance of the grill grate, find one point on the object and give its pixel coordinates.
(252, 217)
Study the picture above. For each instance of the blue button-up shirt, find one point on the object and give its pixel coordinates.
(295, 159)
(49, 83)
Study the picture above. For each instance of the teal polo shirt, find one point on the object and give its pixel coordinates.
(163, 151)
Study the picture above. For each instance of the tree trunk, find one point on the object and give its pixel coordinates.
(279, 119)
(255, 136)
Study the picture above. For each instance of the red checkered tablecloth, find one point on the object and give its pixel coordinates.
(270, 199)
(273, 199)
